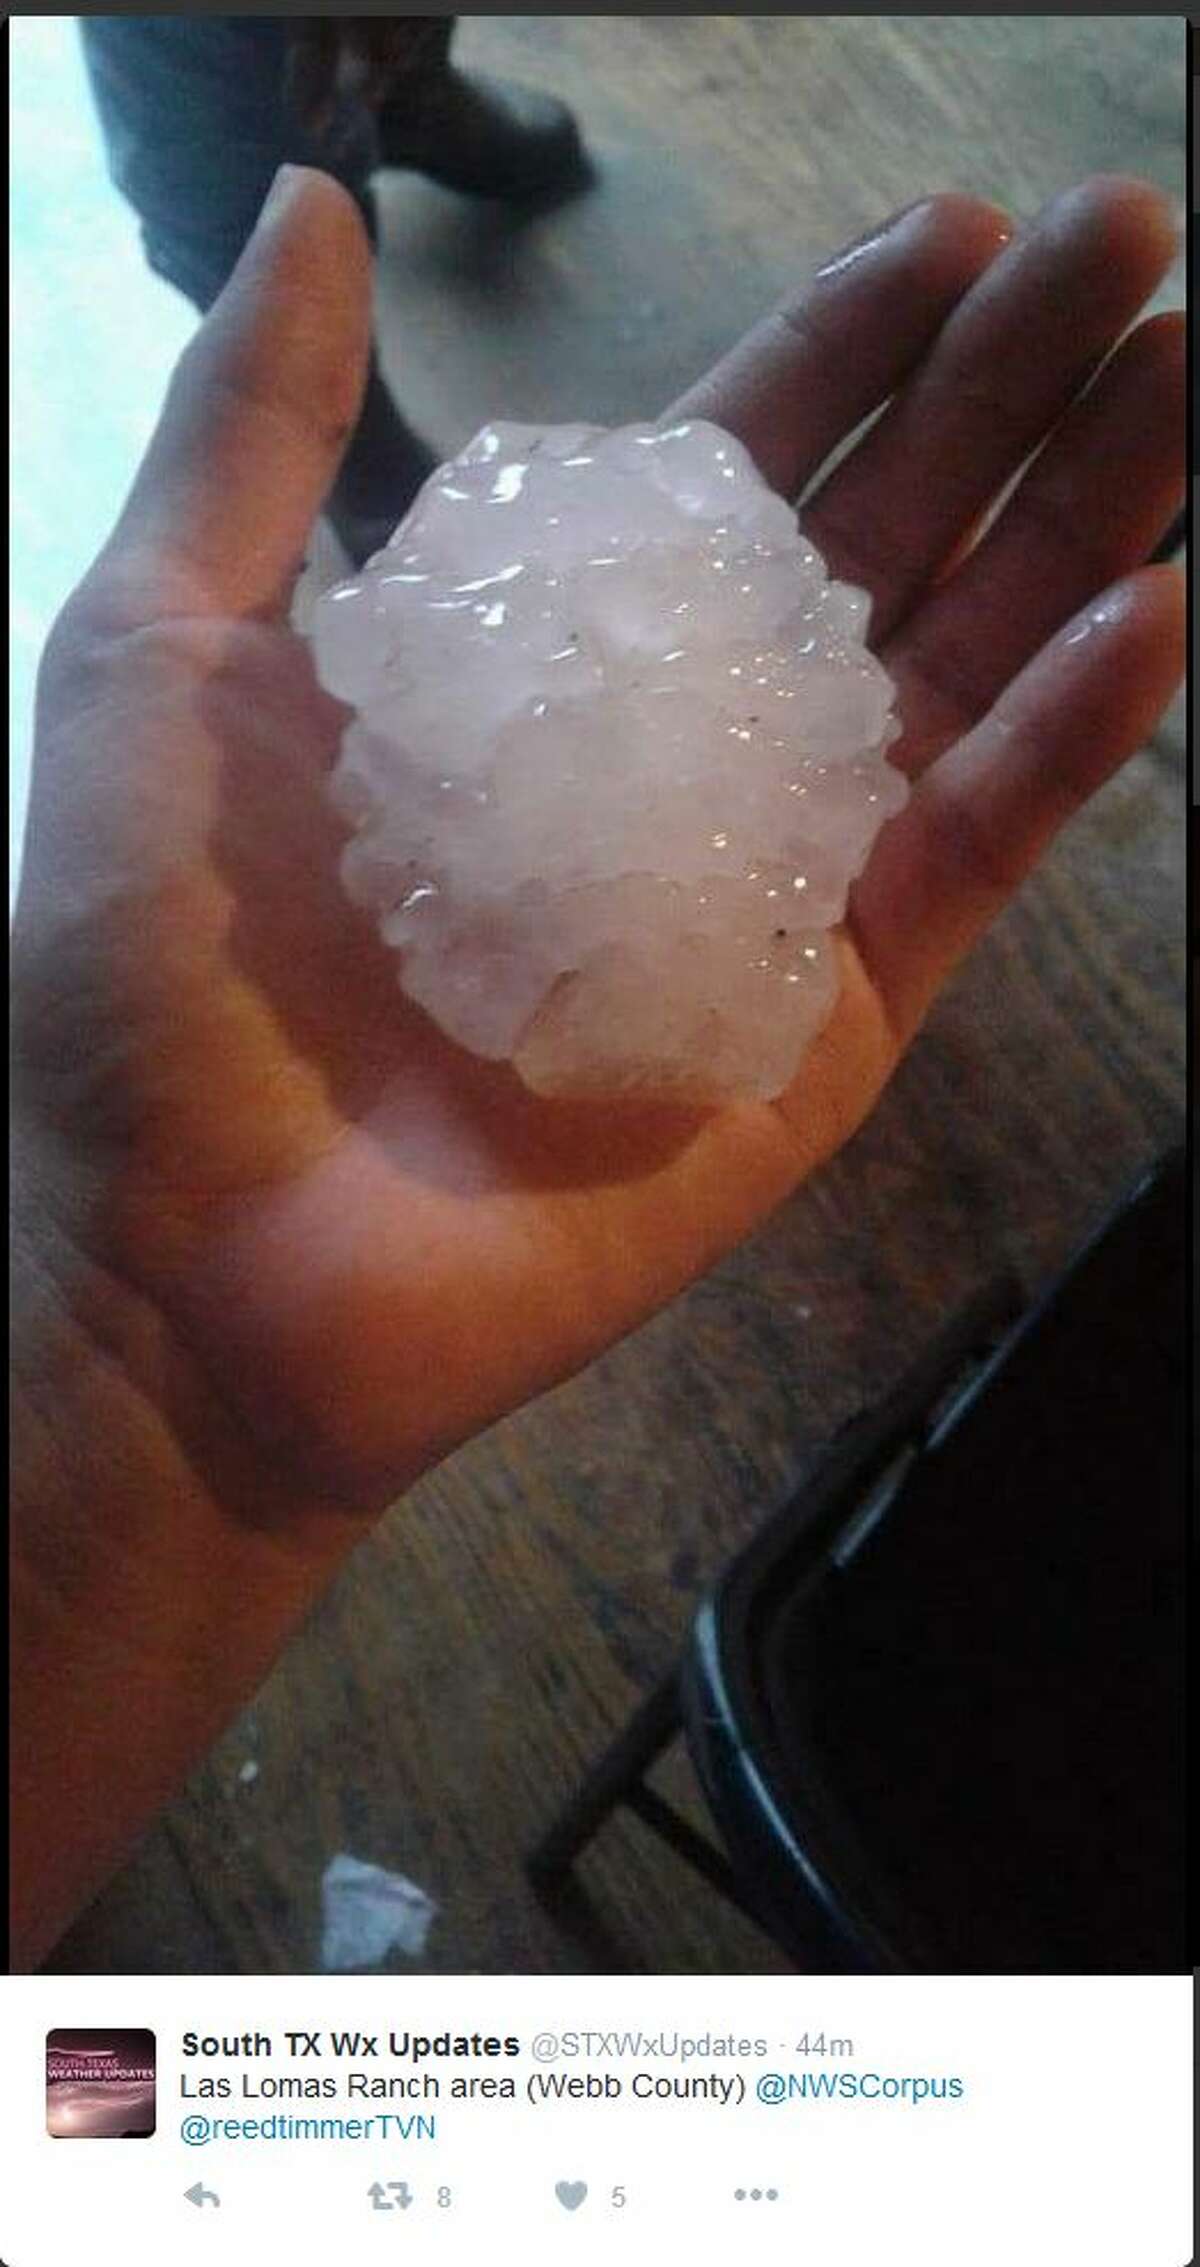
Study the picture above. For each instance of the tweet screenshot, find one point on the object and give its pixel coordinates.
(599, 1376)
(924, 2120)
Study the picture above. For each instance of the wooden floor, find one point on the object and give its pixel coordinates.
(513, 1608)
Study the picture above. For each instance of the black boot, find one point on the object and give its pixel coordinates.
(486, 137)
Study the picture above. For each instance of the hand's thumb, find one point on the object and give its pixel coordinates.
(258, 412)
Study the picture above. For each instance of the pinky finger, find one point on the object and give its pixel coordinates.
(981, 817)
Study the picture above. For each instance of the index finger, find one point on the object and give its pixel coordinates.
(256, 418)
(811, 371)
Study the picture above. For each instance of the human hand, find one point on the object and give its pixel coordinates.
(368, 1241)
(280, 1245)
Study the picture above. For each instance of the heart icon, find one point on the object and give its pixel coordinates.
(570, 2193)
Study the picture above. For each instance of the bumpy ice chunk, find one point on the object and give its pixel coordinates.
(619, 752)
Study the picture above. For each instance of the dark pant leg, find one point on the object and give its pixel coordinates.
(196, 120)
(195, 126)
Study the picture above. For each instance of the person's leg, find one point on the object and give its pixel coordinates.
(384, 465)
(196, 122)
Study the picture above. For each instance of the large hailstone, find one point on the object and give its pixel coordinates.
(619, 753)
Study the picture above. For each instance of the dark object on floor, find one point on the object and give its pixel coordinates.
(937, 1704)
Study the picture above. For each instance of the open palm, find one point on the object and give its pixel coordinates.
(366, 1241)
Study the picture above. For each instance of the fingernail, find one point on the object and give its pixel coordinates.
(278, 197)
(1112, 606)
(858, 250)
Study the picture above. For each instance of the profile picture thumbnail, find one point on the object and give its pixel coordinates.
(100, 2085)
